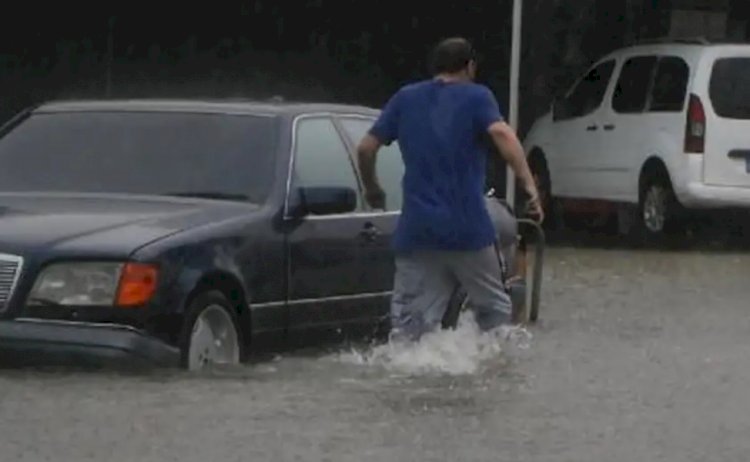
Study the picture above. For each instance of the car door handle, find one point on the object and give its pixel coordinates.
(370, 233)
(592, 128)
(609, 127)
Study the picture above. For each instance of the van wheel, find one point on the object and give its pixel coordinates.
(659, 211)
(211, 335)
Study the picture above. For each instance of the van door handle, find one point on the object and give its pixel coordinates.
(592, 128)
(609, 127)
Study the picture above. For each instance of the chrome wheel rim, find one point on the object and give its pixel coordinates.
(655, 209)
(213, 340)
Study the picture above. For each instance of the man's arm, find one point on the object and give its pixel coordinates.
(488, 118)
(383, 131)
(367, 153)
(512, 151)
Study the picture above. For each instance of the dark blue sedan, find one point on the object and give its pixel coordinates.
(189, 232)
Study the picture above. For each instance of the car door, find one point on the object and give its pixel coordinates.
(390, 172)
(578, 127)
(327, 267)
(629, 128)
(727, 111)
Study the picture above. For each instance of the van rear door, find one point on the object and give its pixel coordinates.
(727, 151)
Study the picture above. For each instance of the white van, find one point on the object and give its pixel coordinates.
(651, 131)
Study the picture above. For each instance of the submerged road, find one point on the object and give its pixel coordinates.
(639, 356)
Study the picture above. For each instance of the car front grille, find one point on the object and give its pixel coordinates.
(10, 269)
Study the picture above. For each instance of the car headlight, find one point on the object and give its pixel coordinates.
(95, 284)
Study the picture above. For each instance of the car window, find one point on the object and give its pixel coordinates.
(588, 94)
(670, 85)
(729, 91)
(146, 152)
(390, 164)
(631, 92)
(321, 157)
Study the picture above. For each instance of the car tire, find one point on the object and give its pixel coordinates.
(211, 334)
(660, 214)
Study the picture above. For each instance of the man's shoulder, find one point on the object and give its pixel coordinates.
(472, 87)
(479, 90)
(410, 93)
(484, 98)
(415, 94)
(412, 87)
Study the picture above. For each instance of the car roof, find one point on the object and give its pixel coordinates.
(218, 106)
(684, 48)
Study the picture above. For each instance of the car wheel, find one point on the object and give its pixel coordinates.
(211, 335)
(659, 211)
(654, 210)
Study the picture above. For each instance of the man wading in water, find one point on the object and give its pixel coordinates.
(444, 236)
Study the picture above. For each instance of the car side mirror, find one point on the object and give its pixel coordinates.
(324, 200)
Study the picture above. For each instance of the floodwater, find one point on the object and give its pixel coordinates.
(639, 356)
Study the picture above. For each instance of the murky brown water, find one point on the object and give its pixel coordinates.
(640, 356)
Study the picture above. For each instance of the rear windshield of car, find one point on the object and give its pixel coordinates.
(153, 153)
(730, 88)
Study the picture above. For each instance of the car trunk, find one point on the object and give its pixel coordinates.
(727, 150)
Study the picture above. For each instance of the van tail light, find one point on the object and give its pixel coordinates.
(695, 129)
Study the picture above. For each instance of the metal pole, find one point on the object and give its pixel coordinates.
(110, 54)
(515, 77)
(515, 72)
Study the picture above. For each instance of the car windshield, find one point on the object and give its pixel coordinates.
(156, 153)
(729, 90)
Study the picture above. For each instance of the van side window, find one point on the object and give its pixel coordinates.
(670, 85)
(729, 91)
(631, 92)
(588, 94)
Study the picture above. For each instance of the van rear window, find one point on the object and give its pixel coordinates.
(729, 89)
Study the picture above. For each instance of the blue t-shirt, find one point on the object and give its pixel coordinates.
(441, 128)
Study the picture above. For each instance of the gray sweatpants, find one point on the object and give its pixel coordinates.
(425, 282)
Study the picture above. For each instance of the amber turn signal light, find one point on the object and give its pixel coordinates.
(137, 285)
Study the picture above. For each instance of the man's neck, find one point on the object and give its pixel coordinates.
(453, 78)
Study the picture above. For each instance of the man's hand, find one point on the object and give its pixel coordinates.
(375, 197)
(367, 152)
(534, 206)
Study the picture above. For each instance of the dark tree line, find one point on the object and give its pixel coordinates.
(346, 51)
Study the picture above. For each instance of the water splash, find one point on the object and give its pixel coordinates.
(463, 351)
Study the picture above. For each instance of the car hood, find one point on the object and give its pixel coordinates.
(101, 225)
